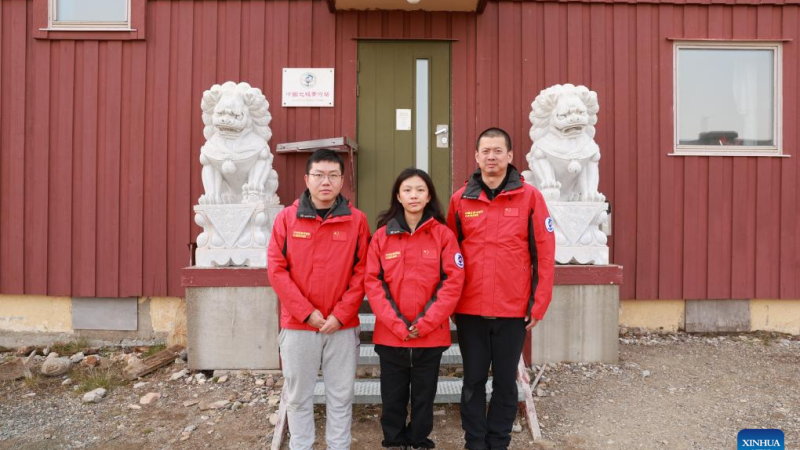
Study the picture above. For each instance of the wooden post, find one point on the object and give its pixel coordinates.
(527, 406)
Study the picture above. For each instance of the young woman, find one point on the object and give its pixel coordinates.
(413, 282)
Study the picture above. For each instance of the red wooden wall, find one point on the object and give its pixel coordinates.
(99, 140)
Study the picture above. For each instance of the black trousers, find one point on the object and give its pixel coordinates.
(497, 343)
(408, 374)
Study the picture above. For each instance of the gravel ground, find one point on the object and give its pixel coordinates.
(673, 391)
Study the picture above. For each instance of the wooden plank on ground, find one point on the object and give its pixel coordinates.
(281, 425)
(152, 363)
(528, 408)
(16, 368)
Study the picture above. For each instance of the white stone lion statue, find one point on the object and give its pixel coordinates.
(564, 158)
(236, 159)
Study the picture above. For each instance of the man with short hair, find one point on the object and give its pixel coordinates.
(506, 237)
(316, 263)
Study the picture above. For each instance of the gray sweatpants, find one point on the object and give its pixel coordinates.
(302, 353)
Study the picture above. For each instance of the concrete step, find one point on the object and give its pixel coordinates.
(368, 322)
(368, 391)
(367, 356)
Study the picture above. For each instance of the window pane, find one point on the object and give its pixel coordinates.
(421, 105)
(92, 10)
(726, 97)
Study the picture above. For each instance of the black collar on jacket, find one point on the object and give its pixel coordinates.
(306, 209)
(475, 183)
(398, 225)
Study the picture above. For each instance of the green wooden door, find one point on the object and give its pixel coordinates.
(403, 99)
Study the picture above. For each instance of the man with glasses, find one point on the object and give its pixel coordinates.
(316, 263)
(506, 236)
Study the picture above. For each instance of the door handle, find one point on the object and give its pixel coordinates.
(442, 136)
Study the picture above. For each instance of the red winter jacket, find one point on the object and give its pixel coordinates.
(509, 248)
(316, 264)
(413, 279)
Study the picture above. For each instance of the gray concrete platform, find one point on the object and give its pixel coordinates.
(232, 328)
(368, 357)
(368, 391)
(581, 325)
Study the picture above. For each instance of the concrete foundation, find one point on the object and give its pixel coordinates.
(717, 316)
(232, 328)
(581, 325)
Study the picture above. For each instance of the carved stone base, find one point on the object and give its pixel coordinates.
(579, 239)
(234, 234)
(566, 254)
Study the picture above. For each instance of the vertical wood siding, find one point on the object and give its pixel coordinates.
(100, 140)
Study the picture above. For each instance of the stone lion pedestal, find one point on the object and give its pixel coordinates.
(579, 239)
(581, 324)
(232, 316)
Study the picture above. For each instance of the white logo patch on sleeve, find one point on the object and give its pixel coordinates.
(548, 223)
(459, 260)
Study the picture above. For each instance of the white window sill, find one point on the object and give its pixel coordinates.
(128, 30)
(724, 153)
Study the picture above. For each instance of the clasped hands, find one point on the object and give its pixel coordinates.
(325, 326)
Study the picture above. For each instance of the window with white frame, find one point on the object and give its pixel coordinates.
(90, 14)
(727, 98)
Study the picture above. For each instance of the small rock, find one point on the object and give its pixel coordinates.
(185, 436)
(222, 379)
(220, 404)
(149, 398)
(46, 351)
(236, 405)
(246, 397)
(192, 402)
(540, 392)
(94, 396)
(178, 375)
(91, 361)
(190, 428)
(665, 442)
(140, 384)
(645, 373)
(439, 412)
(54, 367)
(273, 419)
(184, 355)
(66, 382)
(179, 362)
(517, 428)
(77, 357)
(260, 382)
(200, 376)
(279, 383)
(52, 355)
(29, 395)
(273, 401)
(136, 407)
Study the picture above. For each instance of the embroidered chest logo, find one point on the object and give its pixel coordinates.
(392, 255)
(339, 235)
(301, 234)
(472, 214)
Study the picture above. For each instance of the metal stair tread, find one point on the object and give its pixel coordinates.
(367, 355)
(368, 391)
(368, 322)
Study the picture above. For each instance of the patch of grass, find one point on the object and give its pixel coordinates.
(70, 348)
(153, 350)
(94, 378)
(147, 430)
(32, 382)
